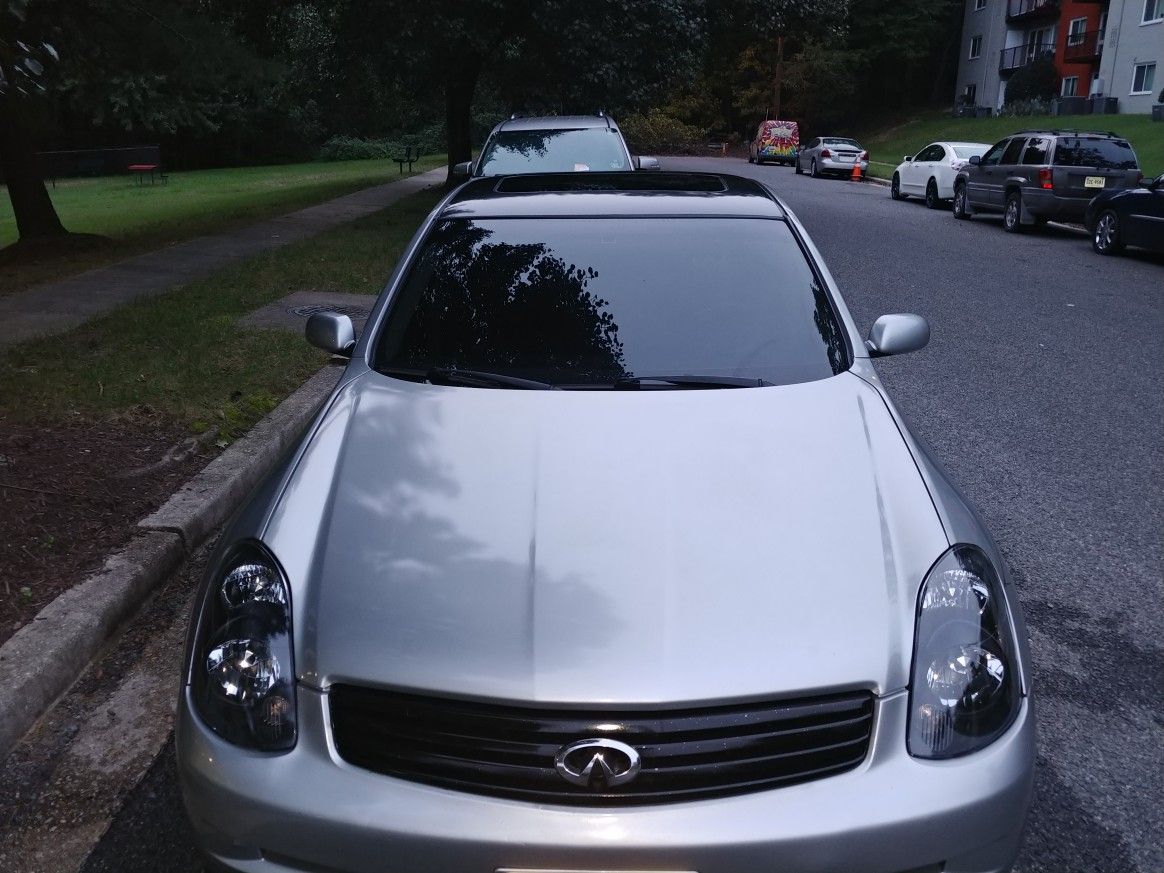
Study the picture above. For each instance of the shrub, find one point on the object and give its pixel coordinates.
(351, 148)
(659, 133)
(1017, 108)
(1038, 80)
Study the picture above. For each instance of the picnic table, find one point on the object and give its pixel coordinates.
(141, 170)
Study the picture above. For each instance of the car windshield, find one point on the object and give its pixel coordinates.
(586, 303)
(1099, 152)
(835, 140)
(968, 152)
(553, 151)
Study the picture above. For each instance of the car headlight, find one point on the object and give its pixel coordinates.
(243, 675)
(964, 691)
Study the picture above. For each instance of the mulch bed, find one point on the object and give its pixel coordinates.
(72, 494)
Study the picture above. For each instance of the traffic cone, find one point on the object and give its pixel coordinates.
(855, 176)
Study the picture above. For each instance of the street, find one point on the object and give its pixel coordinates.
(1040, 393)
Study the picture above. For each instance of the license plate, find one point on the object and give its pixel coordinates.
(1094, 182)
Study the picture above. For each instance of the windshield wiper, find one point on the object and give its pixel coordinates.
(481, 379)
(690, 381)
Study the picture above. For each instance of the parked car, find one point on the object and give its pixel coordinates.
(553, 144)
(1036, 175)
(1129, 217)
(930, 173)
(776, 141)
(831, 155)
(590, 564)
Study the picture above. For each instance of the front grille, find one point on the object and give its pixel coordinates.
(685, 753)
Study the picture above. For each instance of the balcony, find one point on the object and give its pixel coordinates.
(1031, 10)
(1083, 47)
(1019, 56)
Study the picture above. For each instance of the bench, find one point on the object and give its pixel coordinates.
(140, 171)
(411, 156)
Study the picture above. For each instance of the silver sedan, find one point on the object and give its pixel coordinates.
(831, 156)
(608, 552)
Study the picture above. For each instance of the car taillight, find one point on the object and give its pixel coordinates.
(864, 156)
(825, 153)
(1046, 178)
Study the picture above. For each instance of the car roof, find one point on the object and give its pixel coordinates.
(557, 122)
(625, 194)
(960, 143)
(1059, 132)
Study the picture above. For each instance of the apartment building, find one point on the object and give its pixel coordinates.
(1108, 48)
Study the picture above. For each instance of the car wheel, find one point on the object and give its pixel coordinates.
(895, 188)
(960, 210)
(1106, 239)
(933, 201)
(1013, 213)
(796, 167)
(812, 170)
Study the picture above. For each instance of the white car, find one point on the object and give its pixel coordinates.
(930, 173)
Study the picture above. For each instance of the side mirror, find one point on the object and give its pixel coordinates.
(331, 332)
(976, 160)
(645, 163)
(907, 159)
(463, 170)
(897, 334)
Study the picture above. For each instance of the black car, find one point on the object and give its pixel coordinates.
(1133, 217)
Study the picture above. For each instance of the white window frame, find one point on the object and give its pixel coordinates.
(1075, 37)
(1157, 7)
(1074, 80)
(975, 47)
(979, 5)
(1151, 85)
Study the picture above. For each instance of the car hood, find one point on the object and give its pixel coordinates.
(606, 546)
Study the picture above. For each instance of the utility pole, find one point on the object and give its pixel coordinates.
(779, 74)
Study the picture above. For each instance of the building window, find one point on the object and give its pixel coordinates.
(1143, 78)
(1153, 10)
(975, 47)
(1070, 86)
(979, 5)
(1076, 30)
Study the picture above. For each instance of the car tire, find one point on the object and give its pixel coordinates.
(1012, 213)
(933, 201)
(796, 167)
(895, 188)
(813, 171)
(1106, 239)
(960, 206)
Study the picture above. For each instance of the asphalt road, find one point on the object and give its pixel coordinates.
(1041, 392)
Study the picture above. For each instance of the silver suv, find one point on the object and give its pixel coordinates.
(1036, 175)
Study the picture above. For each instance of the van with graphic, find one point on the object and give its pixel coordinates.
(776, 141)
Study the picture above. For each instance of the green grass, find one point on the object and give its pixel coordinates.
(886, 146)
(184, 355)
(138, 218)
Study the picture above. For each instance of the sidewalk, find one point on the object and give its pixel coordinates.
(56, 307)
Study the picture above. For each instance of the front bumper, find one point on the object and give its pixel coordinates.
(309, 810)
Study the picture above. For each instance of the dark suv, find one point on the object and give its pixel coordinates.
(1036, 175)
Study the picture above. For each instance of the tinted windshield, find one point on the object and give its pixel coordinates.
(584, 302)
(553, 151)
(1103, 154)
(967, 152)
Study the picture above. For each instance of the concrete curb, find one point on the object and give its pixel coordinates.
(41, 661)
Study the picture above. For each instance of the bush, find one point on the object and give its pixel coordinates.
(1016, 108)
(659, 133)
(351, 148)
(1038, 80)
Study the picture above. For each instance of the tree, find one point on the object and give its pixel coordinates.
(160, 68)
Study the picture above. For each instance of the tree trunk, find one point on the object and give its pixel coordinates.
(35, 214)
(778, 84)
(462, 83)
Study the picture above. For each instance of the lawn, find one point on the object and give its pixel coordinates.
(138, 218)
(183, 355)
(886, 146)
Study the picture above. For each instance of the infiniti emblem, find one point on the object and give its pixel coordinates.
(597, 764)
